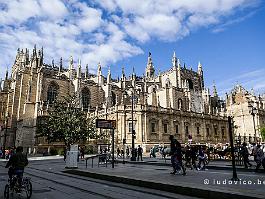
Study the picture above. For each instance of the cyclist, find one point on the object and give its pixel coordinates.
(16, 164)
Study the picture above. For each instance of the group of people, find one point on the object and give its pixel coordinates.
(137, 152)
(6, 153)
(257, 153)
(191, 154)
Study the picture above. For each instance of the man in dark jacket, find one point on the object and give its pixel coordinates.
(245, 155)
(17, 163)
(176, 155)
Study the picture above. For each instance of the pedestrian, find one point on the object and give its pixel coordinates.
(193, 157)
(118, 152)
(127, 152)
(151, 152)
(176, 155)
(78, 154)
(64, 153)
(245, 154)
(7, 154)
(139, 153)
(179, 159)
(259, 158)
(254, 151)
(201, 158)
(188, 157)
(82, 153)
(122, 153)
(1, 153)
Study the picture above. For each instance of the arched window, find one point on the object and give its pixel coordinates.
(85, 98)
(179, 104)
(52, 92)
(190, 84)
(168, 83)
(113, 98)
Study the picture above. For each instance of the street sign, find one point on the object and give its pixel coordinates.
(105, 124)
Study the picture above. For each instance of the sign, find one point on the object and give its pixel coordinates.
(105, 124)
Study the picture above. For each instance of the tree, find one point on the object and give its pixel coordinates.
(66, 123)
(262, 132)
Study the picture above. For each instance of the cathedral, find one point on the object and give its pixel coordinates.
(154, 105)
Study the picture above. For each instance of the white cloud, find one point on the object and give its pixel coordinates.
(17, 12)
(103, 30)
(251, 79)
(90, 18)
(53, 8)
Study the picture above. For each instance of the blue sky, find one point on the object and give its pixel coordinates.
(226, 36)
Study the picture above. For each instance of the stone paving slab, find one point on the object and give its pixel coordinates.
(205, 184)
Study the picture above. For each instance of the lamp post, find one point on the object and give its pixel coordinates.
(235, 178)
(253, 111)
(5, 134)
(133, 157)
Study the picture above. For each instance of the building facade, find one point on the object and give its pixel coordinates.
(155, 105)
(248, 112)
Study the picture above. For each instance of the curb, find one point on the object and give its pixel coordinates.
(208, 166)
(178, 189)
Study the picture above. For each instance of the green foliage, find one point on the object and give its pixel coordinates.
(262, 131)
(53, 151)
(66, 123)
(89, 150)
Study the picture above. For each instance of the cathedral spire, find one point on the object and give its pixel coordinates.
(200, 72)
(150, 71)
(71, 67)
(109, 77)
(61, 65)
(215, 94)
(122, 74)
(86, 73)
(35, 51)
(133, 74)
(174, 61)
(53, 63)
(99, 69)
(71, 63)
(79, 69)
(6, 74)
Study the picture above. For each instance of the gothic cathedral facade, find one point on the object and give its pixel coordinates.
(155, 105)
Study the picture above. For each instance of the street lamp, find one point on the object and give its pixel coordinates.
(5, 134)
(253, 111)
(230, 131)
(133, 158)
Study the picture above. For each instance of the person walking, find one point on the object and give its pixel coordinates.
(179, 159)
(193, 157)
(201, 158)
(1, 152)
(245, 154)
(82, 152)
(118, 152)
(259, 158)
(173, 149)
(176, 155)
(127, 152)
(64, 153)
(254, 151)
(140, 153)
(122, 153)
(188, 157)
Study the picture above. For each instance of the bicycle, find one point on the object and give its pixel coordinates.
(13, 186)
